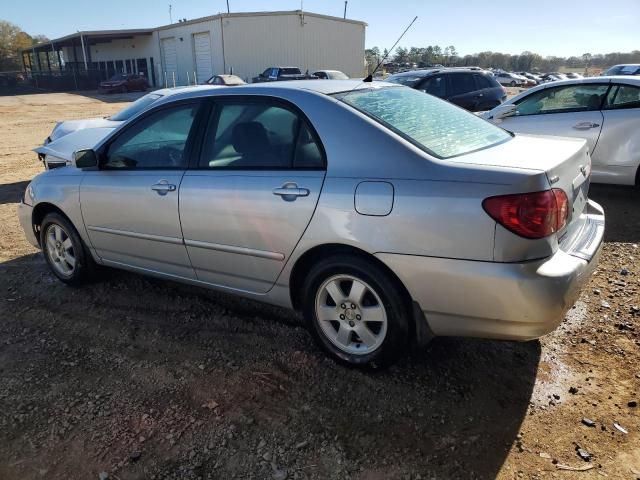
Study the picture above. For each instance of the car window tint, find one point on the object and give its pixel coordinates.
(435, 86)
(482, 82)
(462, 83)
(571, 98)
(624, 96)
(257, 135)
(308, 154)
(434, 125)
(157, 141)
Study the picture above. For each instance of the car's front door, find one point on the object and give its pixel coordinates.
(618, 154)
(130, 205)
(566, 111)
(435, 85)
(247, 202)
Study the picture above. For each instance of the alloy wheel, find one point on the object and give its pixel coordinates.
(351, 314)
(60, 250)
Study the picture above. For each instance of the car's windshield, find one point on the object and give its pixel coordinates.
(407, 80)
(436, 126)
(137, 106)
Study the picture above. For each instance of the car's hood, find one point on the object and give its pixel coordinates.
(68, 126)
(80, 139)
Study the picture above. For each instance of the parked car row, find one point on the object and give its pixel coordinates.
(278, 74)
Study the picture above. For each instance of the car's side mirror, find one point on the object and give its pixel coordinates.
(504, 111)
(85, 158)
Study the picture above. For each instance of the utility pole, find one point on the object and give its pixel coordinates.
(170, 15)
(345, 9)
(228, 7)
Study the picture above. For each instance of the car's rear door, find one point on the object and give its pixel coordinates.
(462, 90)
(130, 205)
(617, 156)
(248, 200)
(566, 110)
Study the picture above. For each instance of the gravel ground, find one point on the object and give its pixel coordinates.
(136, 378)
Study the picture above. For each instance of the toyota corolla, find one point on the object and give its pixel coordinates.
(384, 215)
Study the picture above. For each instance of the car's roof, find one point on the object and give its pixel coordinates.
(326, 87)
(175, 90)
(430, 71)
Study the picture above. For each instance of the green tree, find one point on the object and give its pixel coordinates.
(12, 41)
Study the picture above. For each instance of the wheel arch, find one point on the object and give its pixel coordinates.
(317, 253)
(40, 211)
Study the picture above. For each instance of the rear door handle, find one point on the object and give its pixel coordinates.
(163, 187)
(585, 125)
(290, 191)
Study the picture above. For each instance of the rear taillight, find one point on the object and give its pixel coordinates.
(530, 215)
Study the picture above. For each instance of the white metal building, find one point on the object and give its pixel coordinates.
(191, 51)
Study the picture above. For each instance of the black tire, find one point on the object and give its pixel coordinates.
(84, 266)
(513, 84)
(393, 298)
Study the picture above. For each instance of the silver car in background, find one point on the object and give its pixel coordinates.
(605, 111)
(386, 216)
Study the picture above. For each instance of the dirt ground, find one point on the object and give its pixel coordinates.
(136, 378)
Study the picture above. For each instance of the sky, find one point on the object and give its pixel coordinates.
(547, 27)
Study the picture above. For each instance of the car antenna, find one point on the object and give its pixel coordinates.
(369, 78)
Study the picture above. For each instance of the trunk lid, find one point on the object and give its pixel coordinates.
(565, 162)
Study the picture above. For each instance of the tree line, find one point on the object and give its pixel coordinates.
(12, 41)
(526, 61)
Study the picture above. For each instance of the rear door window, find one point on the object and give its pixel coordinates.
(623, 96)
(259, 135)
(482, 82)
(436, 86)
(461, 83)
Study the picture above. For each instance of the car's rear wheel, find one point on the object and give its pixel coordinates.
(356, 311)
(513, 83)
(64, 250)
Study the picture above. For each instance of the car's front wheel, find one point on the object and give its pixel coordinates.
(356, 311)
(64, 250)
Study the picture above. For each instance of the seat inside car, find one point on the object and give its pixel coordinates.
(251, 140)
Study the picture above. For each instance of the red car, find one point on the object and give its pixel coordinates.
(125, 82)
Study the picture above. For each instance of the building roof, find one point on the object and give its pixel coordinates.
(99, 36)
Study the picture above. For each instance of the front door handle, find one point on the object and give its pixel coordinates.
(585, 125)
(163, 187)
(290, 191)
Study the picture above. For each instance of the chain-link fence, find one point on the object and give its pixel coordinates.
(15, 82)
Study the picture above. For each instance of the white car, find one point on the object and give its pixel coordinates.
(104, 124)
(603, 110)
(330, 75)
(509, 79)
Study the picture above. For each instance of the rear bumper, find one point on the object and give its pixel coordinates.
(512, 301)
(25, 214)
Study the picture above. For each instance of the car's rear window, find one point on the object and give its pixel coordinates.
(436, 126)
(290, 71)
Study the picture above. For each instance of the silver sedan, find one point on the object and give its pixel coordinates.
(605, 111)
(386, 216)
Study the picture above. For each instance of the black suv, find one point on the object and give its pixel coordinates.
(475, 90)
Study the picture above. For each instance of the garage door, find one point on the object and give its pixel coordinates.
(170, 60)
(202, 51)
